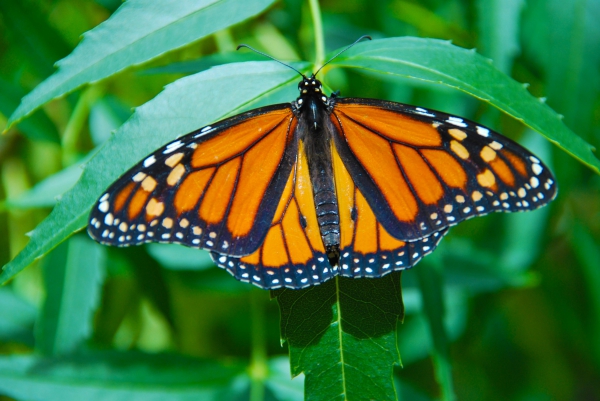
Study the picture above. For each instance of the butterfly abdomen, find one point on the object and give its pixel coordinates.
(318, 150)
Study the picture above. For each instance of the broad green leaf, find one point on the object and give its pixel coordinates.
(430, 280)
(73, 279)
(138, 31)
(182, 107)
(342, 336)
(440, 62)
(102, 376)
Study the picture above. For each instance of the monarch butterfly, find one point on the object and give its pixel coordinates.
(293, 194)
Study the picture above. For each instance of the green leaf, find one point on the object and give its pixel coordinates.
(281, 384)
(182, 107)
(105, 376)
(17, 316)
(138, 31)
(177, 257)
(430, 280)
(28, 26)
(106, 116)
(203, 63)
(342, 335)
(73, 278)
(498, 26)
(46, 193)
(587, 252)
(39, 127)
(440, 62)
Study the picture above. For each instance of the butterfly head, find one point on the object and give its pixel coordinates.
(311, 88)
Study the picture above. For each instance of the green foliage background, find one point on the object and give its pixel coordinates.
(519, 294)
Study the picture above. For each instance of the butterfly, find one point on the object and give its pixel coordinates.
(293, 194)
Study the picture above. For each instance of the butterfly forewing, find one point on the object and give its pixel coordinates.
(213, 188)
(421, 171)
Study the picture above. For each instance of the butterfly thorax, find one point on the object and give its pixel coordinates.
(312, 109)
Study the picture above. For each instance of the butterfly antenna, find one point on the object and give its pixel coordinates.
(341, 51)
(271, 57)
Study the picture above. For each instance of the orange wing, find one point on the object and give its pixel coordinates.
(216, 188)
(367, 249)
(292, 254)
(421, 171)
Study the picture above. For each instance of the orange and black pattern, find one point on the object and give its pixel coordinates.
(422, 170)
(184, 192)
(291, 195)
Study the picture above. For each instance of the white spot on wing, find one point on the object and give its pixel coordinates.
(483, 131)
(537, 168)
(456, 121)
(103, 206)
(172, 147)
(149, 161)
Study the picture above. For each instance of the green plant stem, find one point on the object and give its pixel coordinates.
(315, 12)
(258, 363)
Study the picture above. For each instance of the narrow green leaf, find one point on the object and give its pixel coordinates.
(498, 26)
(430, 281)
(587, 252)
(280, 383)
(138, 31)
(39, 41)
(182, 107)
(177, 257)
(47, 192)
(203, 63)
(39, 127)
(150, 278)
(73, 278)
(440, 62)
(106, 116)
(102, 376)
(17, 316)
(342, 335)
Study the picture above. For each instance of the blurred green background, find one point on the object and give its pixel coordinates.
(522, 291)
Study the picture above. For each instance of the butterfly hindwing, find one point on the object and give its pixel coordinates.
(367, 249)
(213, 188)
(292, 254)
(421, 171)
